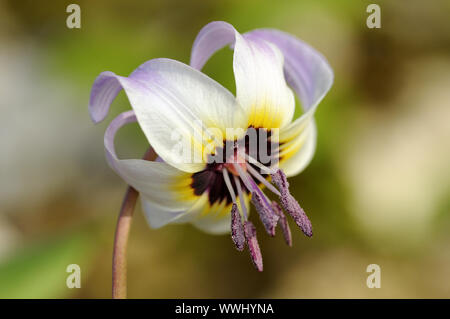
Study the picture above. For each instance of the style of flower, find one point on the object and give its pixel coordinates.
(215, 195)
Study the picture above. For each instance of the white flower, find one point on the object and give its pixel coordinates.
(168, 96)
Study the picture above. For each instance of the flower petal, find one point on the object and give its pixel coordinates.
(311, 77)
(211, 38)
(165, 186)
(306, 71)
(216, 219)
(158, 216)
(260, 85)
(174, 105)
(258, 68)
(295, 158)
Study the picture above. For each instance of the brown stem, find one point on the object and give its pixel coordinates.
(119, 264)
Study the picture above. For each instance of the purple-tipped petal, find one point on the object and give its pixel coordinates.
(261, 87)
(306, 70)
(266, 214)
(153, 179)
(170, 97)
(237, 229)
(297, 213)
(104, 91)
(283, 223)
(253, 246)
(211, 38)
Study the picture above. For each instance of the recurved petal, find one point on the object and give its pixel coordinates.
(307, 71)
(158, 216)
(261, 88)
(297, 153)
(211, 38)
(174, 105)
(166, 187)
(311, 77)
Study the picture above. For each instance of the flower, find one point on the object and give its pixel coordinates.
(214, 192)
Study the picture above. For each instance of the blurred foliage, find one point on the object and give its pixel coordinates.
(38, 271)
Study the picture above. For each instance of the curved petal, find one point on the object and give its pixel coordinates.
(261, 88)
(260, 85)
(165, 186)
(311, 77)
(300, 152)
(166, 193)
(211, 38)
(158, 216)
(175, 106)
(306, 71)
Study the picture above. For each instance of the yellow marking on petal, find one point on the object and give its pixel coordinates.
(218, 210)
(201, 203)
(292, 131)
(182, 188)
(265, 115)
(295, 145)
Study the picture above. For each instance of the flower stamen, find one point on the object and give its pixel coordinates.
(241, 197)
(283, 223)
(258, 176)
(264, 209)
(237, 229)
(264, 169)
(227, 180)
(253, 246)
(290, 204)
(244, 176)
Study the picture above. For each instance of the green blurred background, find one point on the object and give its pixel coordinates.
(377, 191)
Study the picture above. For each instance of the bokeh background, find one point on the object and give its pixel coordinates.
(377, 191)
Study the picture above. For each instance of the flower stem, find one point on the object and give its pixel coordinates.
(119, 264)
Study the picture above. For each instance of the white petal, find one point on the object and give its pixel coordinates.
(157, 216)
(261, 88)
(214, 226)
(174, 105)
(258, 69)
(307, 71)
(216, 219)
(165, 186)
(311, 77)
(301, 151)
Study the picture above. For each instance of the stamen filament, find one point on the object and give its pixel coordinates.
(258, 190)
(262, 179)
(265, 169)
(241, 196)
(227, 180)
(244, 176)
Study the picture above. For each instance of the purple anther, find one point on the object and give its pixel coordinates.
(266, 214)
(280, 181)
(283, 223)
(297, 213)
(237, 229)
(253, 246)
